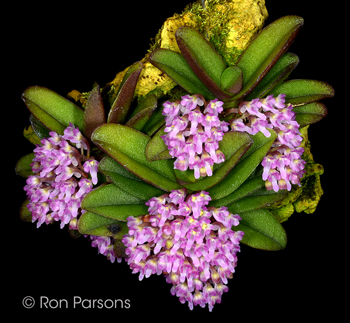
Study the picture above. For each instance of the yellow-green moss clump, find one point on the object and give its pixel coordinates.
(228, 25)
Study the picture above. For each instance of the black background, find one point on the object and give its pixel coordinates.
(66, 47)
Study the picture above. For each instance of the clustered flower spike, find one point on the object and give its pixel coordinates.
(283, 164)
(193, 131)
(105, 246)
(61, 178)
(192, 244)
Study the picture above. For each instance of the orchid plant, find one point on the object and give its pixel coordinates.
(174, 183)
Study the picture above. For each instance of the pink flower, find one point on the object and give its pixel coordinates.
(74, 135)
(104, 246)
(196, 118)
(190, 102)
(91, 166)
(214, 107)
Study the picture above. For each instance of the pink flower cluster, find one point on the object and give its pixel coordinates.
(104, 246)
(283, 164)
(192, 244)
(61, 180)
(192, 135)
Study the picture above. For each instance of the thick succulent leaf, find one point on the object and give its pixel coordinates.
(264, 51)
(93, 224)
(205, 62)
(94, 114)
(31, 136)
(261, 230)
(247, 188)
(24, 214)
(155, 122)
(278, 73)
(176, 67)
(233, 144)
(113, 202)
(156, 149)
(231, 79)
(310, 113)
(127, 146)
(48, 121)
(185, 177)
(300, 91)
(120, 212)
(39, 129)
(149, 101)
(125, 95)
(128, 181)
(23, 167)
(139, 120)
(52, 110)
(262, 198)
(243, 169)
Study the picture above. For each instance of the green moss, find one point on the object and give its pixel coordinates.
(213, 24)
(283, 213)
(311, 195)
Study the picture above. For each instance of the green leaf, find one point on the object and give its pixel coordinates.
(40, 130)
(109, 194)
(278, 73)
(127, 181)
(231, 79)
(23, 167)
(238, 175)
(257, 200)
(299, 92)
(149, 101)
(176, 67)
(127, 146)
(94, 114)
(261, 230)
(125, 95)
(24, 214)
(155, 121)
(264, 51)
(139, 120)
(247, 188)
(310, 113)
(233, 144)
(97, 225)
(31, 136)
(52, 110)
(205, 62)
(113, 202)
(156, 149)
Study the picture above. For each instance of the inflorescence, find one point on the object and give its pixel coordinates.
(63, 176)
(283, 164)
(192, 244)
(193, 131)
